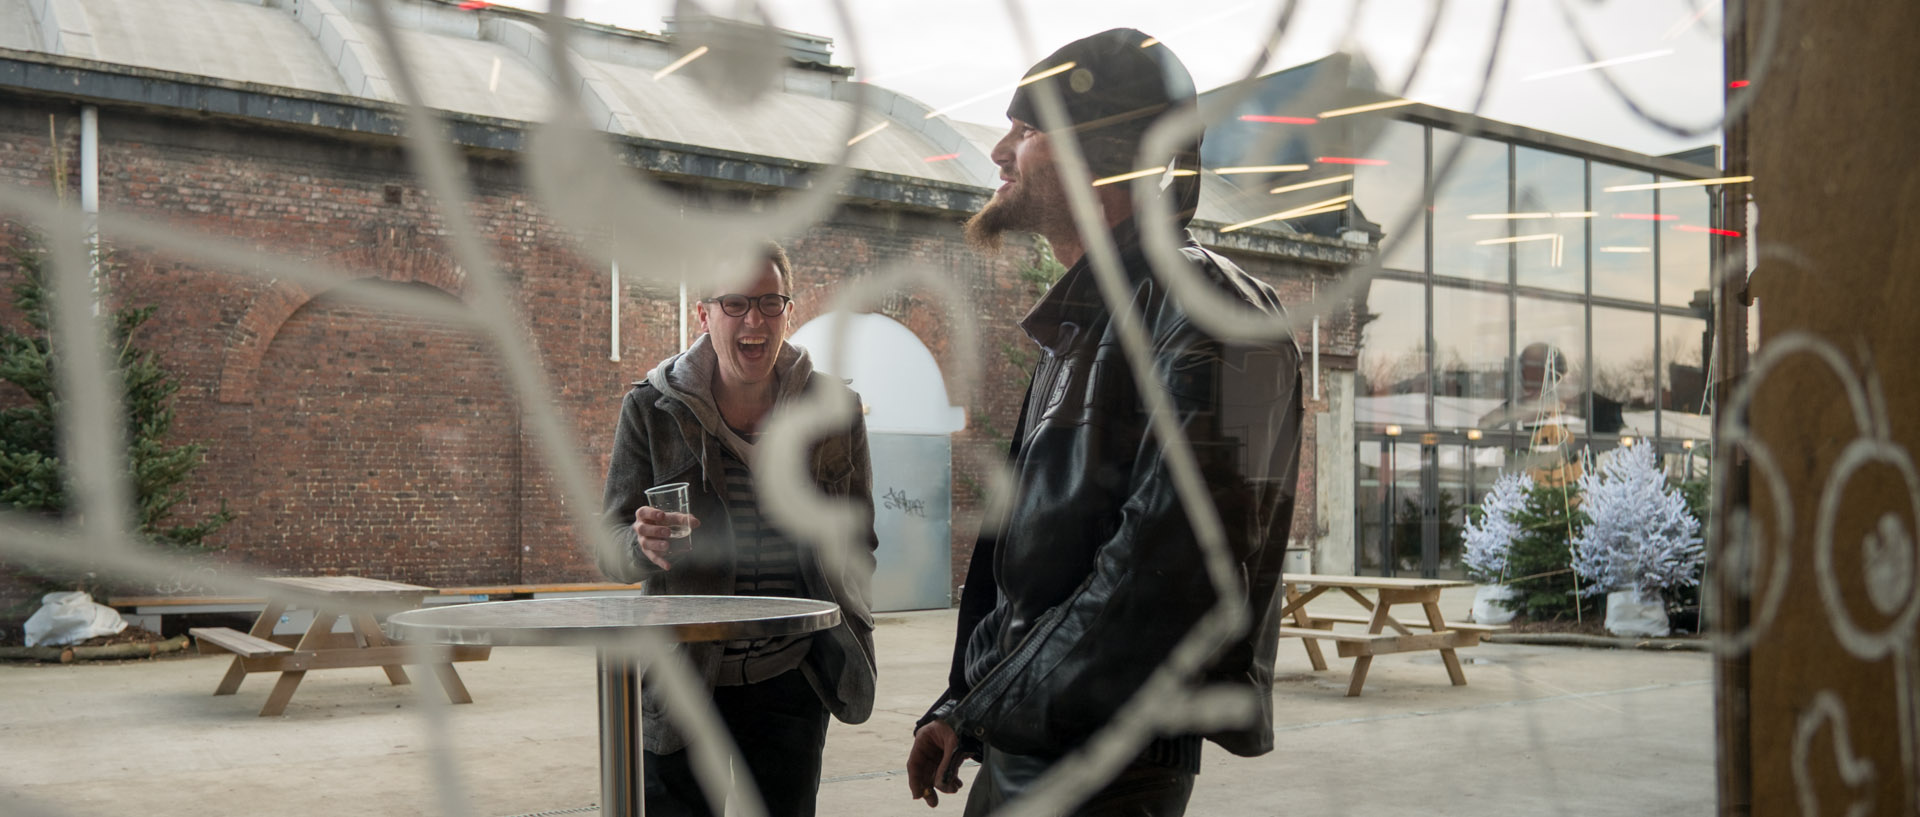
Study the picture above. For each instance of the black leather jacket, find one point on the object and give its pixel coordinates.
(1096, 573)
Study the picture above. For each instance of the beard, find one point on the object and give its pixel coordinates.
(1032, 203)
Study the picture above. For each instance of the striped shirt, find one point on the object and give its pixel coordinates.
(766, 564)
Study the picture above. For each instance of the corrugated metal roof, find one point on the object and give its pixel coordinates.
(794, 126)
(17, 27)
(214, 38)
(331, 46)
(493, 63)
(473, 76)
(983, 137)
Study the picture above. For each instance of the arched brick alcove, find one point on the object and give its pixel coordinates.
(376, 442)
(270, 309)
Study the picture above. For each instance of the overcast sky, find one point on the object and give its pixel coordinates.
(942, 52)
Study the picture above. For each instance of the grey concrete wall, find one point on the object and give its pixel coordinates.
(1333, 480)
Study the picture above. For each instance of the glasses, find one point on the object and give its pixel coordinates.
(772, 304)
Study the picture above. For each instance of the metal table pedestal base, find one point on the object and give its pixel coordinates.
(610, 623)
(622, 779)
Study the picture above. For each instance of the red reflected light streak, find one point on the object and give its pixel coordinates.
(1694, 228)
(1645, 217)
(1738, 83)
(1279, 120)
(943, 157)
(1343, 160)
(474, 5)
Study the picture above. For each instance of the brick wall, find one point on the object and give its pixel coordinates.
(351, 438)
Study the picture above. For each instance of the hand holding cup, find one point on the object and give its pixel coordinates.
(663, 526)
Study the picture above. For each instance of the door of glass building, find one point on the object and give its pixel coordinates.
(1412, 495)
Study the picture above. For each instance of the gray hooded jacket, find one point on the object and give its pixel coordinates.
(669, 431)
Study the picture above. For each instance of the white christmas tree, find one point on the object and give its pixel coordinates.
(1489, 538)
(1641, 534)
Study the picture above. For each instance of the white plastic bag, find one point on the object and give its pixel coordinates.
(70, 618)
(1632, 614)
(1487, 606)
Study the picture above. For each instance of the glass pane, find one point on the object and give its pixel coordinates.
(1686, 463)
(1451, 474)
(1393, 356)
(1370, 505)
(1487, 464)
(1484, 463)
(1404, 496)
(1683, 386)
(1623, 223)
(1473, 467)
(1623, 375)
(1685, 247)
(1470, 356)
(1466, 247)
(1391, 194)
(1550, 364)
(1550, 201)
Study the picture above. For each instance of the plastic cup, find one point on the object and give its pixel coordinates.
(672, 498)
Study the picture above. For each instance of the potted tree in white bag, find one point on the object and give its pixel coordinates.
(1488, 538)
(1640, 544)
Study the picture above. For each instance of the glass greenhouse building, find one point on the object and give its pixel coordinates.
(1540, 302)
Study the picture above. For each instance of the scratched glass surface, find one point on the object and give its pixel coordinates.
(1509, 282)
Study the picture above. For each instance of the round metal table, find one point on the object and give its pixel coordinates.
(609, 622)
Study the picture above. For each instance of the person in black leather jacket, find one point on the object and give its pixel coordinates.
(1114, 594)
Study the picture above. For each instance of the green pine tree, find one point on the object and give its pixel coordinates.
(31, 476)
(1699, 496)
(1540, 564)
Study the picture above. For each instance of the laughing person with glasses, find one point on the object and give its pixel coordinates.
(696, 419)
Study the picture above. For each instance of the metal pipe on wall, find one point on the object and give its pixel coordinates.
(614, 325)
(90, 193)
(683, 288)
(90, 161)
(1313, 297)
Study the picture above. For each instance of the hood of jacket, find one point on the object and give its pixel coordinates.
(688, 378)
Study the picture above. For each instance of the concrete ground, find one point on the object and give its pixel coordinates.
(1537, 731)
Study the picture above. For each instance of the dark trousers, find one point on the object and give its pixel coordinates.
(1140, 790)
(779, 726)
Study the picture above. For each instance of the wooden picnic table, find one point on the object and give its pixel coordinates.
(354, 598)
(1438, 633)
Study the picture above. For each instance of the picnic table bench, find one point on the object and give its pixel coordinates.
(1437, 633)
(352, 598)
